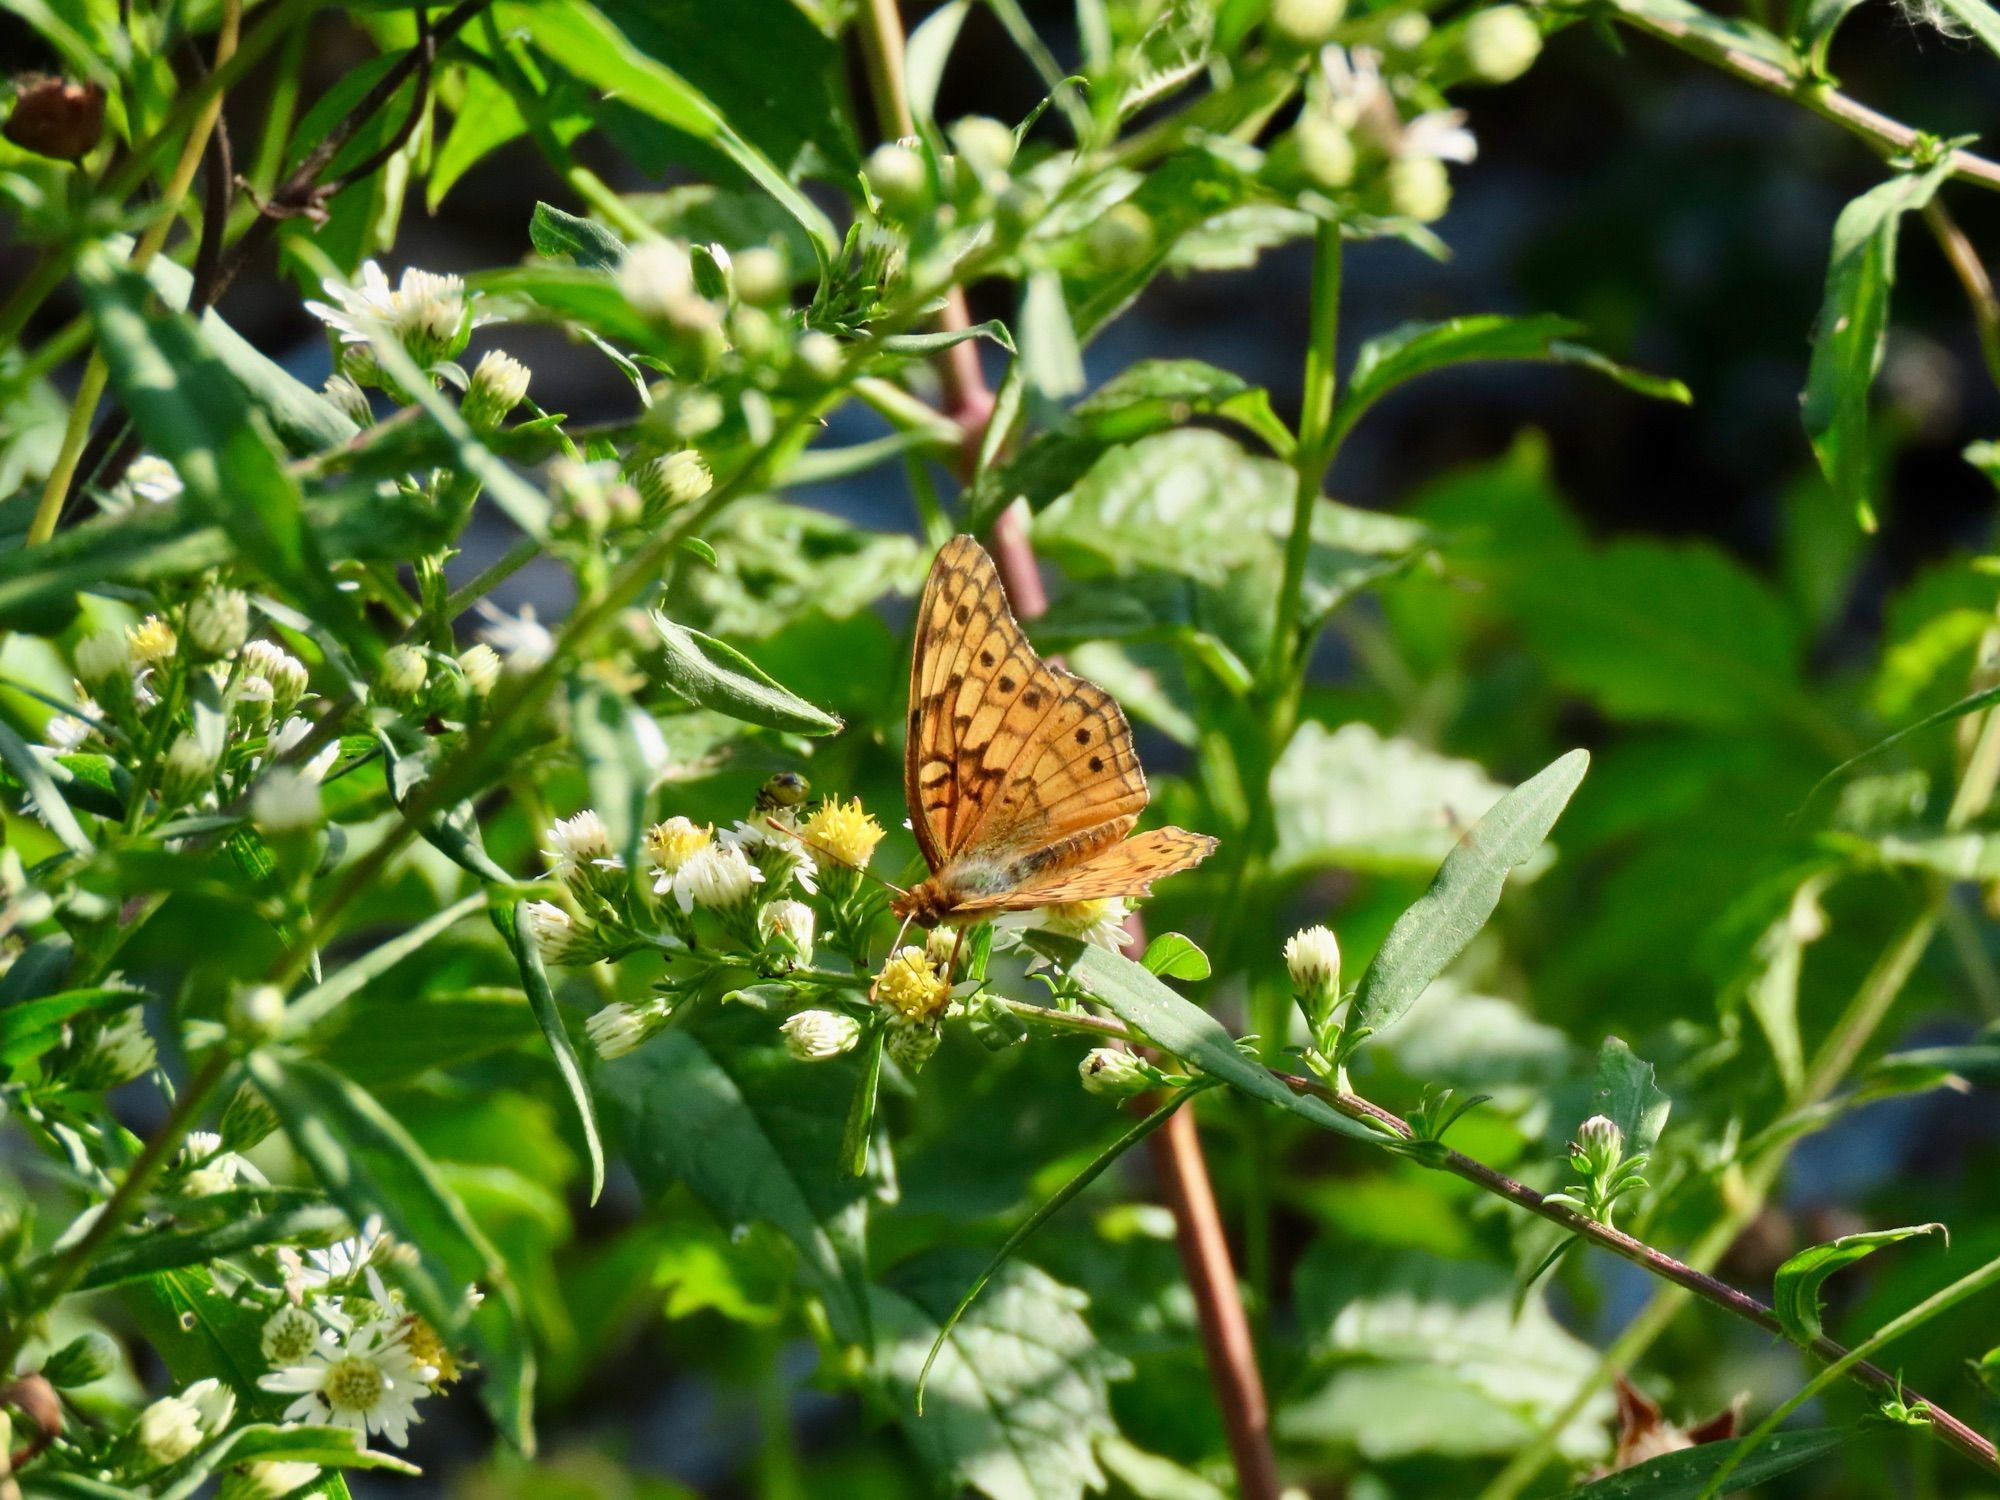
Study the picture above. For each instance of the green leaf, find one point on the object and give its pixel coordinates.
(1351, 798)
(369, 1164)
(1795, 1293)
(1178, 1026)
(582, 39)
(28, 1028)
(133, 1256)
(1148, 397)
(1434, 931)
(1627, 1095)
(1051, 360)
(776, 563)
(190, 412)
(1719, 33)
(1977, 17)
(920, 344)
(1684, 1475)
(710, 674)
(1972, 703)
(1173, 956)
(590, 245)
(329, 1447)
(1019, 1393)
(1413, 349)
(927, 52)
(513, 925)
(40, 787)
(1853, 327)
(322, 999)
(717, 1103)
(1770, 987)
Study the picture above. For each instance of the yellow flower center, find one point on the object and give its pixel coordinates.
(910, 983)
(1077, 917)
(428, 1349)
(673, 843)
(843, 832)
(151, 641)
(353, 1384)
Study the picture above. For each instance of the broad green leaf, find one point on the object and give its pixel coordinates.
(1151, 1477)
(190, 412)
(514, 926)
(710, 674)
(28, 1028)
(329, 1447)
(312, 1007)
(1148, 397)
(589, 244)
(1434, 931)
(382, 1038)
(568, 294)
(1413, 349)
(40, 789)
(1018, 1394)
(1179, 1026)
(1051, 359)
(1686, 1474)
(369, 1164)
(1795, 1292)
(1627, 1095)
(1173, 956)
(1350, 798)
(582, 39)
(147, 1253)
(1415, 1354)
(717, 1103)
(1853, 327)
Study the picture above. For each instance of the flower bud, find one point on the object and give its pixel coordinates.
(1500, 44)
(55, 118)
(1313, 958)
(911, 1043)
(673, 480)
(121, 1051)
(284, 672)
(1326, 152)
(187, 772)
(247, 1119)
(985, 148)
(792, 922)
(266, 1479)
(559, 937)
(814, 1035)
(167, 1431)
(761, 277)
(819, 355)
(1120, 238)
(289, 1335)
(256, 1013)
(899, 180)
(341, 393)
(499, 384)
(104, 665)
(1113, 1072)
(404, 670)
(286, 801)
(84, 1360)
(214, 1404)
(655, 275)
(218, 622)
(619, 1029)
(1020, 209)
(481, 666)
(1419, 188)
(1598, 1148)
(1408, 31)
(1302, 25)
(152, 479)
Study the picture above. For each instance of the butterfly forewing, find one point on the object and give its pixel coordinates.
(1015, 771)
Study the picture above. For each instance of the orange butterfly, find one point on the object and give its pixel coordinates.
(1021, 779)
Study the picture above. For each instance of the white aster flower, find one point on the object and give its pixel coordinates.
(580, 845)
(286, 800)
(523, 643)
(718, 876)
(65, 733)
(1356, 94)
(1101, 922)
(618, 1029)
(369, 1382)
(292, 734)
(1439, 134)
(343, 1260)
(772, 840)
(428, 313)
(214, 1404)
(168, 1431)
(122, 1051)
(289, 1335)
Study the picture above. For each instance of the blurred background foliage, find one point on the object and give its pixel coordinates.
(1673, 587)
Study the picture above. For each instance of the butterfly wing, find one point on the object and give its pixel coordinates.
(1006, 754)
(1127, 868)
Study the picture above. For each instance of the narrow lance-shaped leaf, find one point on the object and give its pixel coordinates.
(316, 1003)
(328, 1447)
(1977, 17)
(515, 927)
(369, 1164)
(1434, 931)
(1179, 1026)
(40, 787)
(710, 674)
(1684, 1475)
(1795, 1291)
(1853, 326)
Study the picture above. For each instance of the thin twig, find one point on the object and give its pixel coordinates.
(1971, 273)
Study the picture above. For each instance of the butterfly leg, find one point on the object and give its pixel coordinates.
(951, 964)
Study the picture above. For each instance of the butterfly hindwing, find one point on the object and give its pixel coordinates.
(1127, 868)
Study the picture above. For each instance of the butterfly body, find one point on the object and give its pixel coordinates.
(1021, 779)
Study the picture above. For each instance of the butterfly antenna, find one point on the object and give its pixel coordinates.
(794, 834)
(894, 948)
